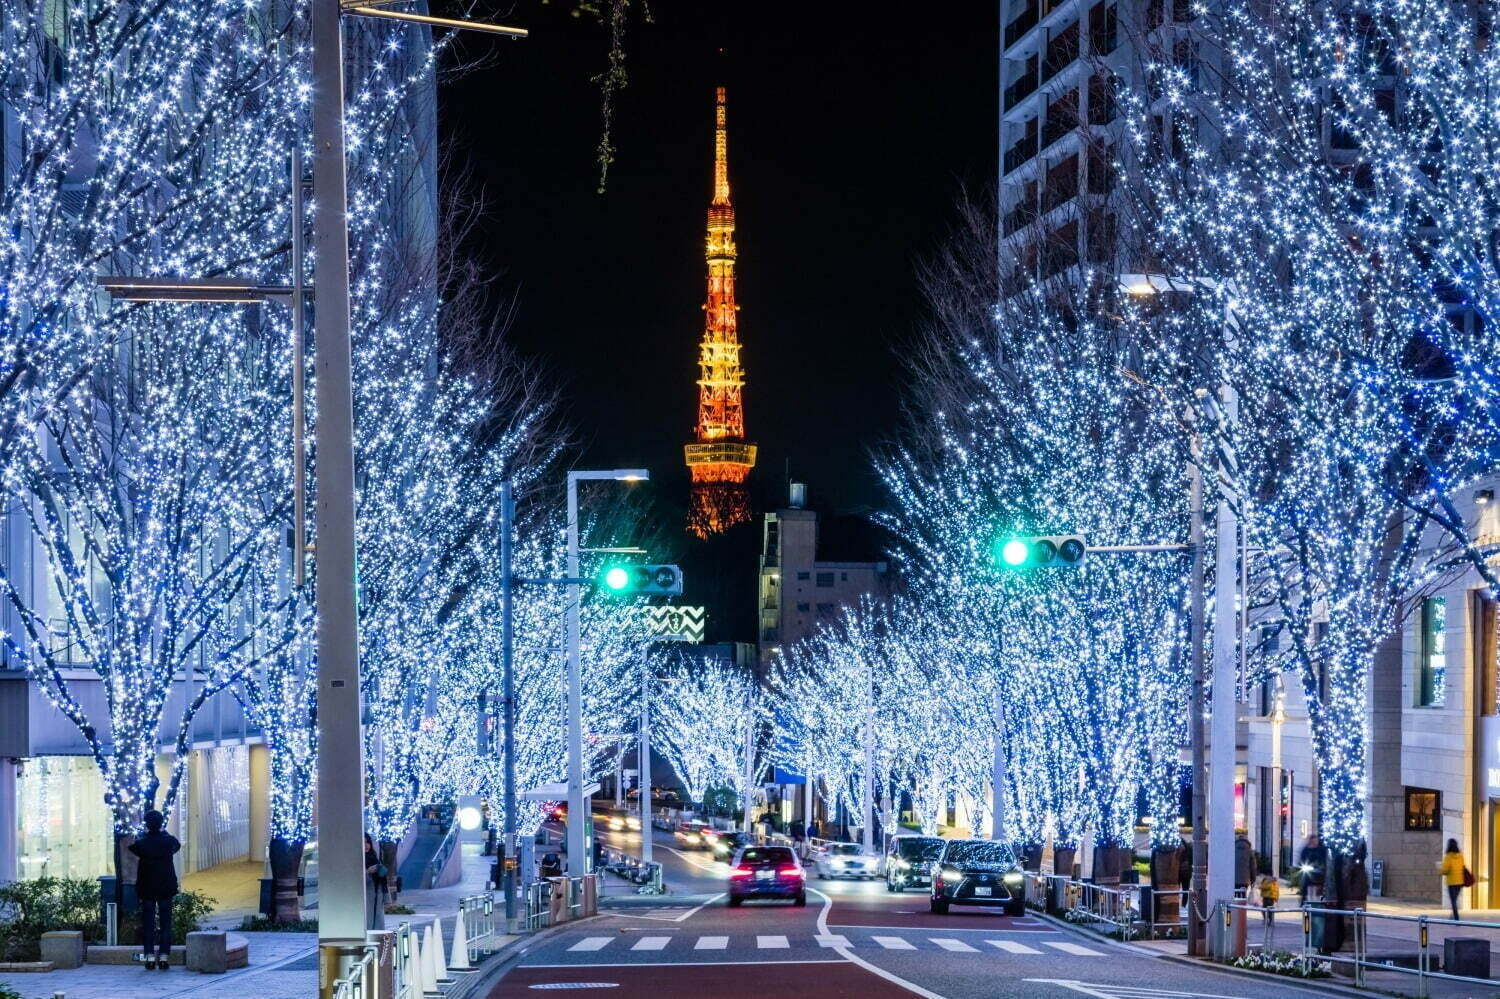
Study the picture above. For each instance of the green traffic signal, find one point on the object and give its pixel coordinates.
(1064, 551)
(616, 578)
(1014, 552)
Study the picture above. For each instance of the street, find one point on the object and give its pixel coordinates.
(854, 939)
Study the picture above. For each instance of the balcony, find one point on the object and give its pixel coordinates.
(1023, 22)
(1020, 90)
(1056, 128)
(1017, 219)
(1061, 51)
(1019, 152)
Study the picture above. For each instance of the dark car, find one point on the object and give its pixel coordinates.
(725, 844)
(909, 861)
(767, 872)
(978, 872)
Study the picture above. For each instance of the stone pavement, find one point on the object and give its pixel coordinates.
(282, 965)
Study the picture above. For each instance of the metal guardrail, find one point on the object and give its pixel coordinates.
(478, 912)
(1131, 911)
(539, 895)
(1359, 959)
(439, 859)
(359, 983)
(362, 981)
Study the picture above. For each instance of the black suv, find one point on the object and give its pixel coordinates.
(978, 872)
(909, 861)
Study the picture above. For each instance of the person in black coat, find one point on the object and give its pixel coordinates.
(155, 887)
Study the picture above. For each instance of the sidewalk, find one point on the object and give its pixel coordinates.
(282, 965)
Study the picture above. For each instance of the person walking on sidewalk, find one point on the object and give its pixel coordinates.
(1455, 875)
(375, 900)
(1269, 887)
(1314, 862)
(155, 887)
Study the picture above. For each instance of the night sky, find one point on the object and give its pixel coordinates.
(849, 136)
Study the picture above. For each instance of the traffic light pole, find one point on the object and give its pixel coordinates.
(644, 780)
(508, 697)
(1197, 898)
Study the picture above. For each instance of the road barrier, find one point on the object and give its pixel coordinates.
(478, 915)
(557, 900)
(630, 867)
(1341, 937)
(365, 979)
(1127, 911)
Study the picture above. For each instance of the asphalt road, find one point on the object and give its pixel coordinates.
(854, 939)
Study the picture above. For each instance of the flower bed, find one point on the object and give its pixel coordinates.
(1280, 962)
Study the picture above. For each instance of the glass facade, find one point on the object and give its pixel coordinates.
(63, 828)
(1432, 675)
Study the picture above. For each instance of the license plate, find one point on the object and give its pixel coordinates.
(984, 891)
(764, 875)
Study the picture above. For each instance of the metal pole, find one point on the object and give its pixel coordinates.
(867, 835)
(749, 772)
(508, 696)
(997, 785)
(1197, 896)
(1221, 743)
(299, 383)
(577, 816)
(645, 776)
(340, 746)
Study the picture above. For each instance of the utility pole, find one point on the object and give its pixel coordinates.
(644, 780)
(1197, 898)
(998, 787)
(511, 865)
(867, 835)
(1221, 743)
(341, 807)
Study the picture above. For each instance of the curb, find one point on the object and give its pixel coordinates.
(1324, 985)
(498, 964)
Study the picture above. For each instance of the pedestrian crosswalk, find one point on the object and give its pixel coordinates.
(954, 945)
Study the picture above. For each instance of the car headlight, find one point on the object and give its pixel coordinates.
(1014, 878)
(902, 865)
(952, 874)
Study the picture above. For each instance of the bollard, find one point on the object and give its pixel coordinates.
(111, 924)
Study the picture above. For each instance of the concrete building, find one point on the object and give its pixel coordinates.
(798, 588)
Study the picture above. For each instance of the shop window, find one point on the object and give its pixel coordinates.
(825, 579)
(1424, 809)
(1432, 648)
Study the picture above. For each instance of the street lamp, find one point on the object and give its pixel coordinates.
(577, 808)
(1217, 883)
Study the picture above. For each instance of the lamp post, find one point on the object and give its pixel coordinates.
(1217, 882)
(578, 862)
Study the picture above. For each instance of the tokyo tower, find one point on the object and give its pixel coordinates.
(720, 459)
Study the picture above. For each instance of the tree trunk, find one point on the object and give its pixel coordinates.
(1031, 857)
(1166, 864)
(286, 861)
(1062, 860)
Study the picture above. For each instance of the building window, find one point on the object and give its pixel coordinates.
(803, 608)
(825, 579)
(803, 577)
(843, 577)
(1432, 673)
(1424, 809)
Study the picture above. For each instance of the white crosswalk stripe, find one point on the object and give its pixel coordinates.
(893, 943)
(1012, 947)
(833, 940)
(771, 943)
(948, 943)
(711, 943)
(591, 943)
(651, 943)
(1073, 948)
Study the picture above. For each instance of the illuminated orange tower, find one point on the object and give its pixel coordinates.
(720, 459)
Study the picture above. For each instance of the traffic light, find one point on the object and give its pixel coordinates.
(641, 580)
(1057, 551)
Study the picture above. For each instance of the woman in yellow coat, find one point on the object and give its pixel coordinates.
(1452, 868)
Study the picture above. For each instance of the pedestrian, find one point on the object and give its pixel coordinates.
(1455, 875)
(375, 903)
(551, 865)
(1314, 866)
(1269, 888)
(812, 829)
(1244, 863)
(155, 887)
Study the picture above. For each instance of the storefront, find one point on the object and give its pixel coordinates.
(63, 826)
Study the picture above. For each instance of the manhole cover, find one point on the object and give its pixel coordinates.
(576, 985)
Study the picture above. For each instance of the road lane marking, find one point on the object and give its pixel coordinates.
(832, 940)
(772, 942)
(711, 943)
(591, 943)
(847, 953)
(893, 943)
(711, 964)
(1072, 948)
(651, 943)
(957, 946)
(1103, 991)
(1012, 947)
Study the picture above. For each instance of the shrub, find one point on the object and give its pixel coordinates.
(263, 924)
(397, 909)
(6, 992)
(1280, 962)
(30, 908)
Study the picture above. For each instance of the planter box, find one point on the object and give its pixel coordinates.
(25, 967)
(64, 948)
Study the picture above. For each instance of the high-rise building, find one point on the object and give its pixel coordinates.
(720, 459)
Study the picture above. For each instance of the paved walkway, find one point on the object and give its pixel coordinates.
(282, 965)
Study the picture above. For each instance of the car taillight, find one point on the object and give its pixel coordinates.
(741, 872)
(790, 872)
